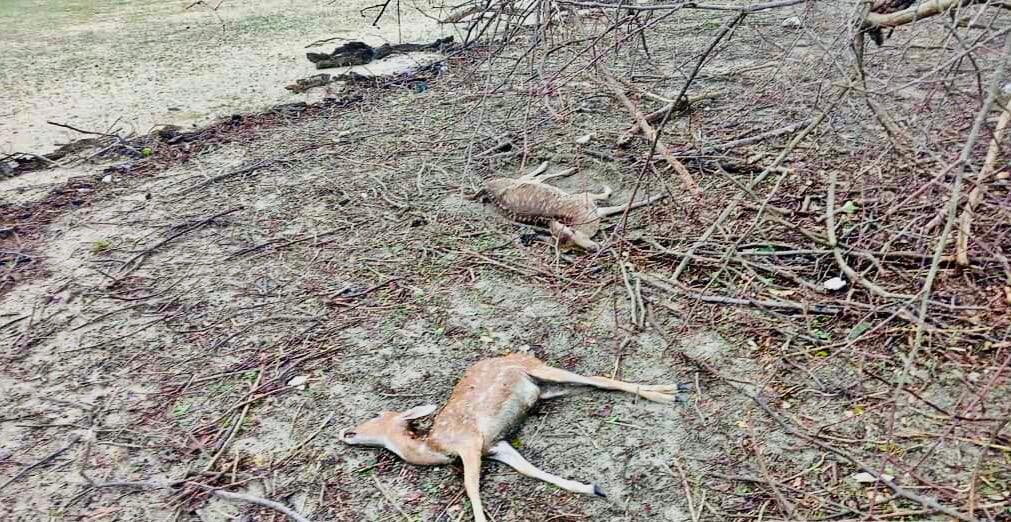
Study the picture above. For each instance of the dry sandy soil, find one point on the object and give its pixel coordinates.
(134, 65)
(166, 306)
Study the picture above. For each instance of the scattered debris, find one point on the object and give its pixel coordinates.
(836, 283)
(866, 478)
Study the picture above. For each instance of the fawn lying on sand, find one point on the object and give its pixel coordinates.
(490, 400)
(572, 218)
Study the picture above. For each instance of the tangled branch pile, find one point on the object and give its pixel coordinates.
(852, 218)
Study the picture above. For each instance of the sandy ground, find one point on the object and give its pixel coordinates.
(107, 65)
(176, 307)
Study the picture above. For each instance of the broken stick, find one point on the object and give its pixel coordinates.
(648, 131)
(976, 194)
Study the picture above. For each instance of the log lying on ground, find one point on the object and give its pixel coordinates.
(915, 12)
(361, 53)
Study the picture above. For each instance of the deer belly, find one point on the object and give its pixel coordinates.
(511, 412)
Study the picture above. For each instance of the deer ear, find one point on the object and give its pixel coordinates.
(418, 412)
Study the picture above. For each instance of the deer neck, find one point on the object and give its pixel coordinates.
(416, 450)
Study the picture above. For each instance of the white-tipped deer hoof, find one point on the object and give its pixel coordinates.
(598, 492)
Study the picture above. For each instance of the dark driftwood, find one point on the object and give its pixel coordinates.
(413, 76)
(360, 53)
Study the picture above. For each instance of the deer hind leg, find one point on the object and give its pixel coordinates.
(618, 209)
(665, 393)
(471, 458)
(532, 175)
(596, 196)
(505, 454)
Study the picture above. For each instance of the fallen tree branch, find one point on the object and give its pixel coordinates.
(260, 501)
(688, 5)
(251, 168)
(648, 131)
(675, 288)
(733, 205)
(916, 12)
(925, 501)
(751, 140)
(837, 251)
(661, 113)
(950, 212)
(146, 251)
(82, 131)
(976, 194)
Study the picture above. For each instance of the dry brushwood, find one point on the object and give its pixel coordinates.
(647, 130)
(572, 218)
(486, 405)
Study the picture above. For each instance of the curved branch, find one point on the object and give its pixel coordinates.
(916, 12)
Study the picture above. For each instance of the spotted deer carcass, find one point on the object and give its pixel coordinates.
(573, 219)
(486, 405)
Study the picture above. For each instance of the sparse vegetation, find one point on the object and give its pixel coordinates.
(884, 399)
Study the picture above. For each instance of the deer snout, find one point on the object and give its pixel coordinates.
(348, 436)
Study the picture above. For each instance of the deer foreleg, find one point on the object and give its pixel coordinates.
(506, 454)
(471, 458)
(596, 196)
(618, 209)
(655, 393)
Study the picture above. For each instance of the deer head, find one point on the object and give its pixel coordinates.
(390, 430)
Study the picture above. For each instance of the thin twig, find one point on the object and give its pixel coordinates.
(950, 212)
(45, 460)
(129, 264)
(976, 194)
(837, 252)
(259, 501)
(389, 498)
(648, 131)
